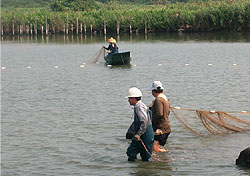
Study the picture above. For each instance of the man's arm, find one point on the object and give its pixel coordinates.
(142, 114)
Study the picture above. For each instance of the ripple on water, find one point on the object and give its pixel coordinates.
(72, 120)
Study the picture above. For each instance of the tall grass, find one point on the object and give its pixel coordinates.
(193, 16)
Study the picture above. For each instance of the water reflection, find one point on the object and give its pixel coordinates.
(119, 66)
(167, 37)
(154, 168)
(84, 112)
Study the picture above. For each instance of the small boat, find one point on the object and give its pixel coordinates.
(118, 58)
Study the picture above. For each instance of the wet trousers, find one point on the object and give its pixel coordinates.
(137, 147)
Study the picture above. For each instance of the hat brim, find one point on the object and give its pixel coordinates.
(152, 88)
(111, 40)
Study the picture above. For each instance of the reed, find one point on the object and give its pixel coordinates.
(194, 16)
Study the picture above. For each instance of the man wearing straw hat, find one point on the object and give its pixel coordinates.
(143, 135)
(112, 46)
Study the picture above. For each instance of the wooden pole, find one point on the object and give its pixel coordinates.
(146, 30)
(46, 26)
(81, 28)
(118, 38)
(85, 29)
(27, 29)
(67, 29)
(104, 28)
(21, 29)
(77, 26)
(31, 29)
(1, 29)
(13, 27)
(42, 29)
(64, 28)
(35, 29)
(117, 26)
(130, 29)
(72, 28)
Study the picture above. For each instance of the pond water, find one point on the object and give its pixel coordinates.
(61, 115)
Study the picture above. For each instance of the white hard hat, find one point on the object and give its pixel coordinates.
(157, 84)
(134, 92)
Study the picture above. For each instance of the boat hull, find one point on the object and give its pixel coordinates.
(118, 58)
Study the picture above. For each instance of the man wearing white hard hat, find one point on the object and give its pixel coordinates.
(160, 117)
(142, 131)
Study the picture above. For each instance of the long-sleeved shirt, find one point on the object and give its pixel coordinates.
(160, 114)
(113, 48)
(141, 118)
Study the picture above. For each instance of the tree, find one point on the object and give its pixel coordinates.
(75, 5)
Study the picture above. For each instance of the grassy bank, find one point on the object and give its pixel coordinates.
(200, 16)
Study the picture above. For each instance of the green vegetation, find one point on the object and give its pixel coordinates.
(195, 16)
(24, 3)
(75, 5)
(46, 3)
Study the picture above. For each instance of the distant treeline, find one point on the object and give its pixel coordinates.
(199, 16)
(24, 3)
(46, 3)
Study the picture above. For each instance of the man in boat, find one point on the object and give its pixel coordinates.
(113, 48)
(143, 135)
(160, 117)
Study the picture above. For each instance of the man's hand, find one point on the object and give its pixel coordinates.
(136, 138)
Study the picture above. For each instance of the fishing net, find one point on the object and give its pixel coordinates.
(98, 56)
(203, 123)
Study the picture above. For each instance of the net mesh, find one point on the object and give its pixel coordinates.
(204, 123)
(98, 56)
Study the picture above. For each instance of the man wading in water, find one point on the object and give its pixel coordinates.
(140, 131)
(160, 117)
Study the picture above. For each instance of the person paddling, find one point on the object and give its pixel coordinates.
(112, 48)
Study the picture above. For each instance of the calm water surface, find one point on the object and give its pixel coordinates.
(58, 118)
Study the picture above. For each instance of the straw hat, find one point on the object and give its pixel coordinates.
(111, 40)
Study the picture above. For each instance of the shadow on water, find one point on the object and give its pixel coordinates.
(152, 37)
